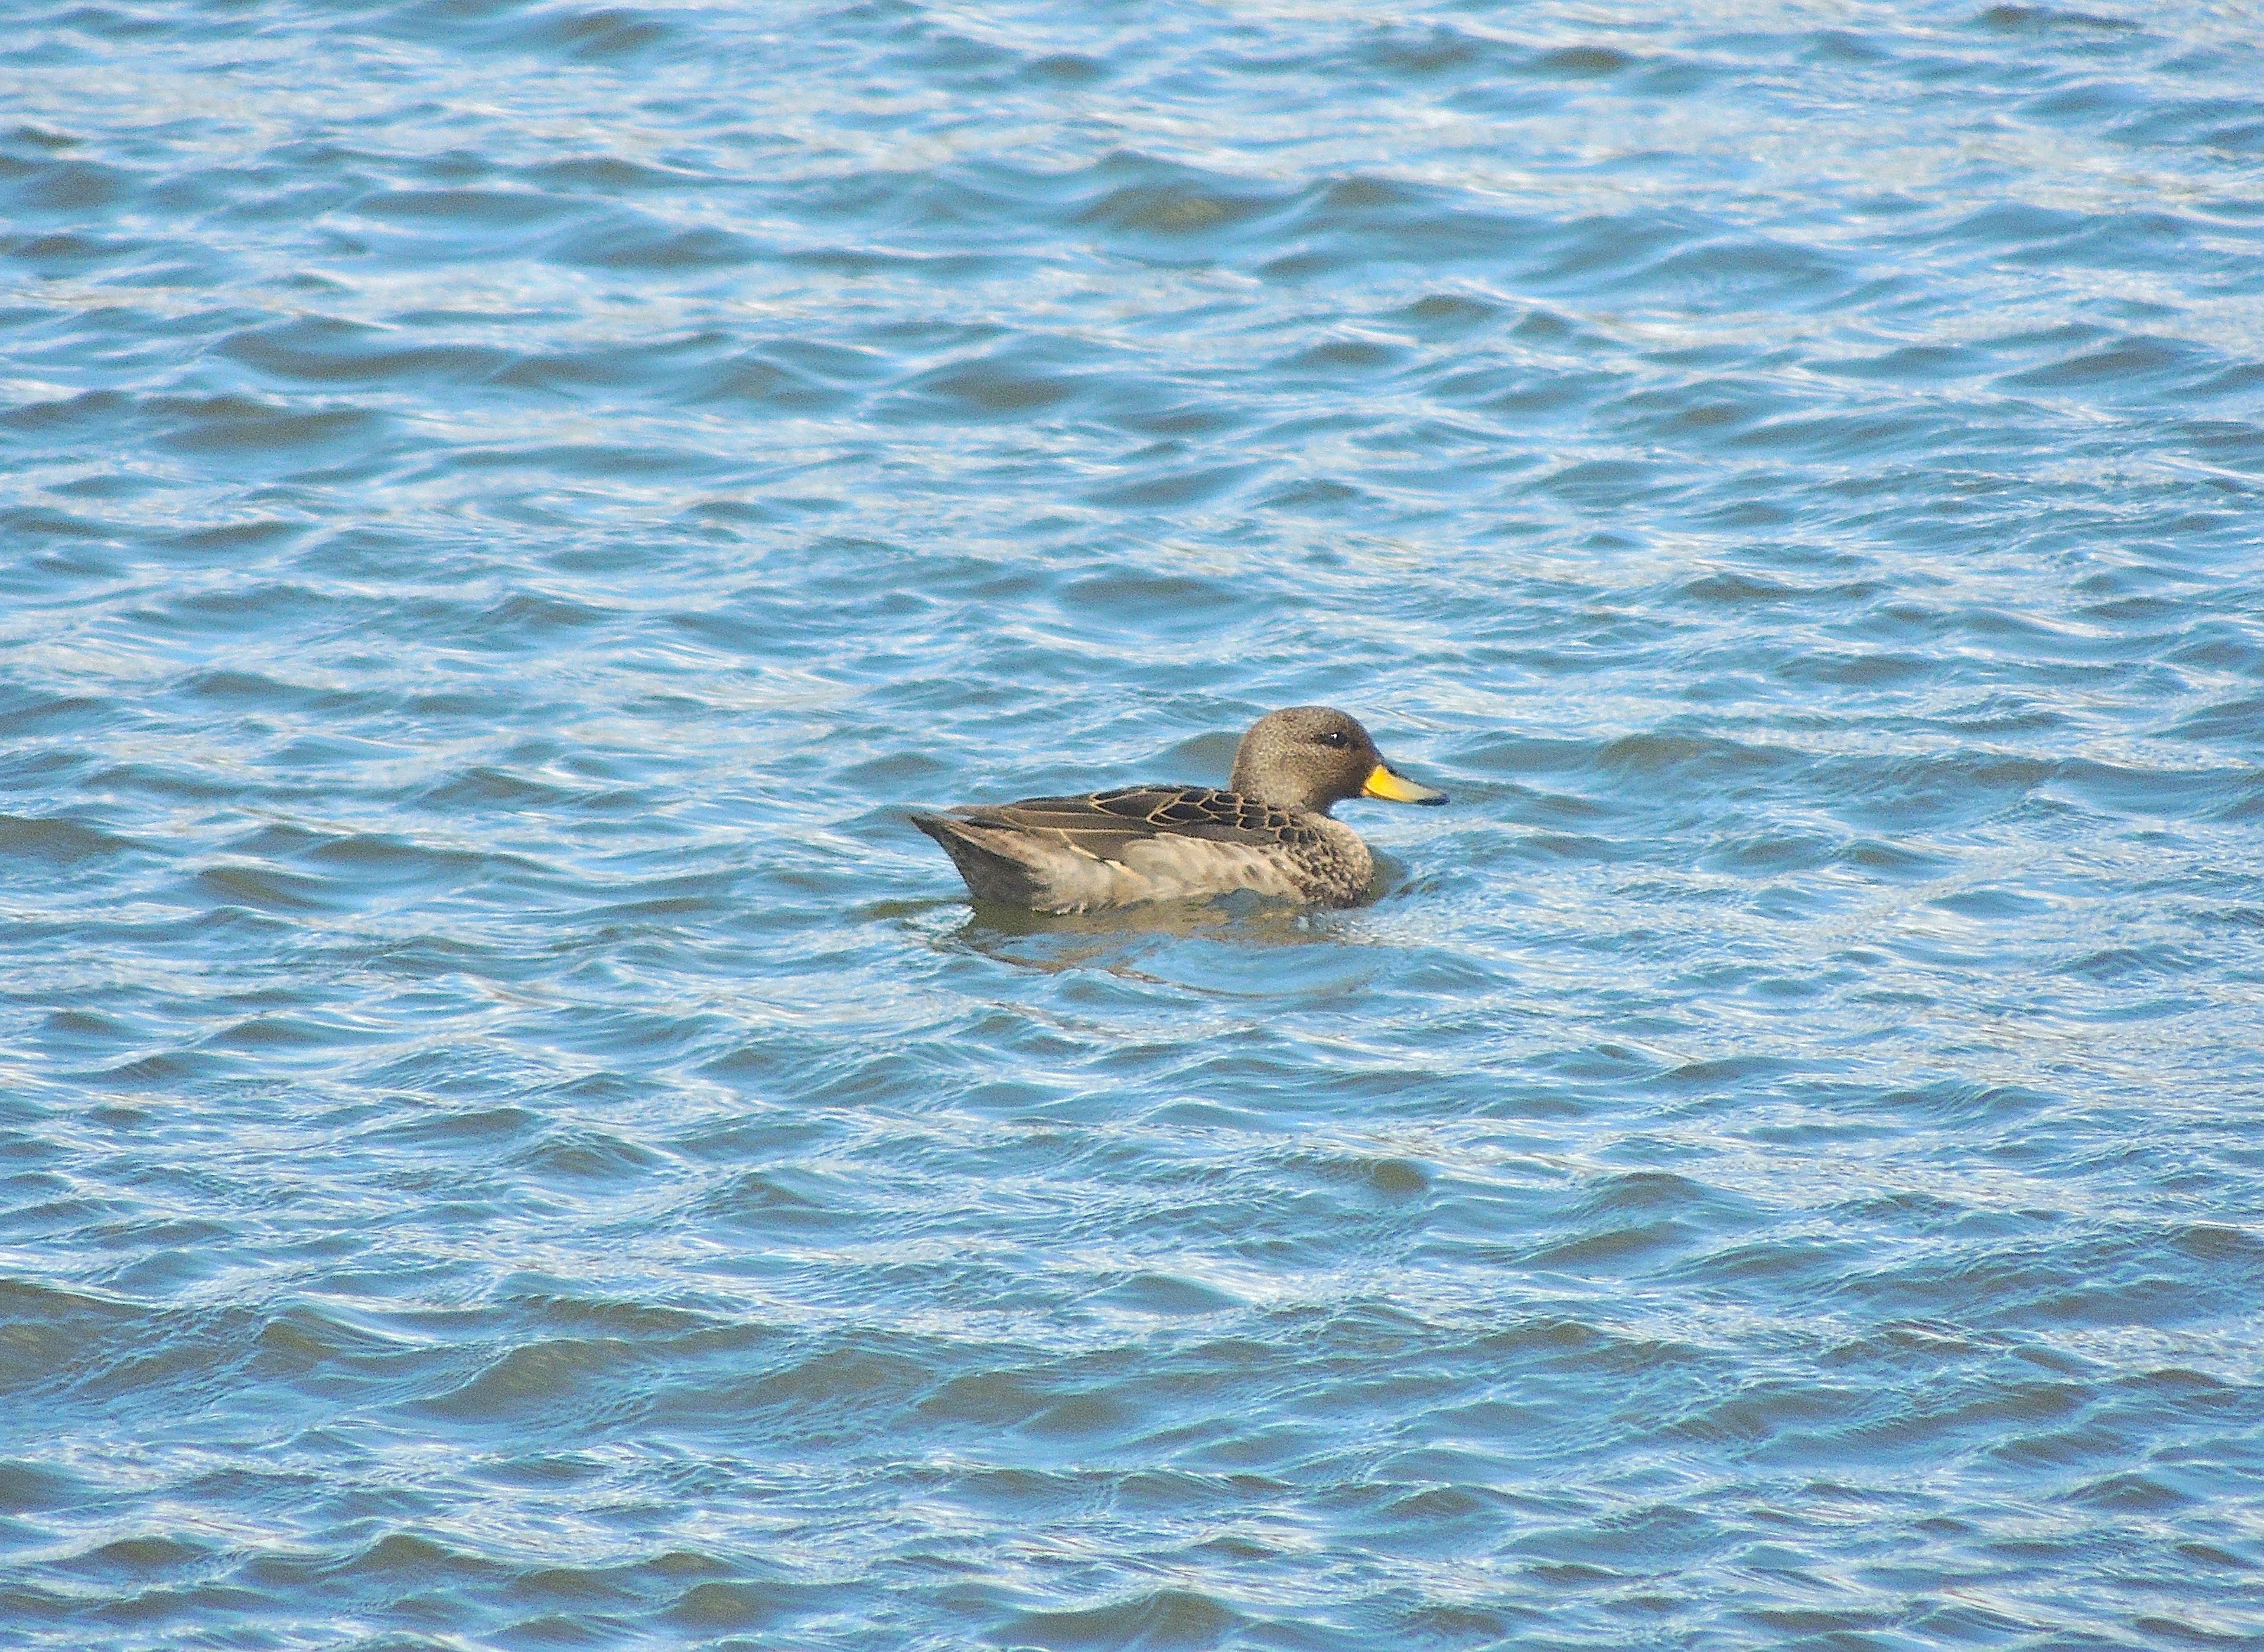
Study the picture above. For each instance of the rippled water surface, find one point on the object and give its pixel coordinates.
(511, 1141)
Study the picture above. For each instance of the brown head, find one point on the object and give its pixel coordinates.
(1311, 757)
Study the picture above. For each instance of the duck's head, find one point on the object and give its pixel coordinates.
(1311, 757)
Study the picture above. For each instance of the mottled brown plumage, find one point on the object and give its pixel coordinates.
(1269, 830)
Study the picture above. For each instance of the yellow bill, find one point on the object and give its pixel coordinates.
(1394, 788)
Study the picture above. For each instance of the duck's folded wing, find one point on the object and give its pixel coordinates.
(1103, 824)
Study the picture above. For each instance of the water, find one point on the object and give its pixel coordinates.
(511, 1140)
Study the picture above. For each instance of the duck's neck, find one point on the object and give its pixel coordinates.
(1244, 781)
(1296, 805)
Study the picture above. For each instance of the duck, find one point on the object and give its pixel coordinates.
(1268, 830)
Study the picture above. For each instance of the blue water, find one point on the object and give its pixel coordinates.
(510, 1140)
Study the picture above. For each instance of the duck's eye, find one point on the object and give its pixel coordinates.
(1334, 738)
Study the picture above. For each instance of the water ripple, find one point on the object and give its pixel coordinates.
(510, 1139)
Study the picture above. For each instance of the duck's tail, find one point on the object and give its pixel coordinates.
(991, 870)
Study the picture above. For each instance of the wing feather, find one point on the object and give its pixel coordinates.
(1103, 824)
